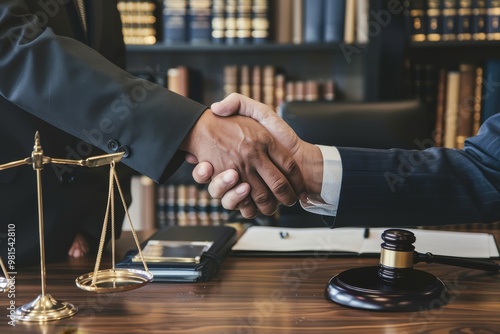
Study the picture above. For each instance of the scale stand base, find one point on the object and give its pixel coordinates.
(45, 308)
(363, 288)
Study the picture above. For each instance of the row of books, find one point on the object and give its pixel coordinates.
(264, 83)
(321, 21)
(462, 98)
(244, 21)
(458, 109)
(269, 86)
(450, 20)
(181, 204)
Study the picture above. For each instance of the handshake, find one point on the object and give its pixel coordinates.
(262, 163)
(279, 168)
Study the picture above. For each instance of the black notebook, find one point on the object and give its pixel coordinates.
(183, 253)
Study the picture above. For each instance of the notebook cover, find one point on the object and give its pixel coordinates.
(223, 238)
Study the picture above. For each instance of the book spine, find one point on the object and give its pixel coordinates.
(230, 79)
(464, 26)
(171, 207)
(493, 19)
(313, 21)
(175, 82)
(175, 21)
(362, 16)
(451, 113)
(181, 205)
(478, 28)
(425, 88)
(350, 22)
(199, 21)
(311, 90)
(261, 27)
(268, 74)
(297, 21)
(161, 206)
(334, 15)
(328, 90)
(257, 83)
(450, 20)
(218, 21)
(478, 99)
(434, 21)
(245, 81)
(192, 205)
(440, 107)
(416, 16)
(244, 22)
(466, 104)
(279, 91)
(231, 13)
(203, 204)
(282, 21)
(491, 94)
(148, 199)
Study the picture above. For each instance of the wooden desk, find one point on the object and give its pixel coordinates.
(254, 295)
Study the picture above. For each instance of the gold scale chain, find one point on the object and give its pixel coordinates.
(83, 16)
(111, 208)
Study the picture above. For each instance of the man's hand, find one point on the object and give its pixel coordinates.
(241, 144)
(225, 185)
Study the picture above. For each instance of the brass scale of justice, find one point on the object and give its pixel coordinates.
(45, 307)
(392, 286)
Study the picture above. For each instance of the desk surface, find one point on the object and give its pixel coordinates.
(254, 295)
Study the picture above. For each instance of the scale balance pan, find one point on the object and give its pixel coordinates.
(114, 280)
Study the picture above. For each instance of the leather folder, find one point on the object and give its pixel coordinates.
(166, 258)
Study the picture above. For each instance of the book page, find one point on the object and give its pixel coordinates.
(266, 238)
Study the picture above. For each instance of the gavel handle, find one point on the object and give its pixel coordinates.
(486, 265)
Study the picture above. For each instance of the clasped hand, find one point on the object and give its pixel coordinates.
(257, 166)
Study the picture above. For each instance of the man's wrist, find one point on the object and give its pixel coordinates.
(189, 144)
(310, 160)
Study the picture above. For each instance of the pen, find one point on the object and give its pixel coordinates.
(284, 235)
(366, 234)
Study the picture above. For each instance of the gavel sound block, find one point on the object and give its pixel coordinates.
(395, 285)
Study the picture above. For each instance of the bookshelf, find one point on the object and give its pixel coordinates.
(354, 80)
(453, 52)
(298, 55)
(452, 61)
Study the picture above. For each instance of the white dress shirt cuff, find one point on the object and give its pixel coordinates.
(332, 181)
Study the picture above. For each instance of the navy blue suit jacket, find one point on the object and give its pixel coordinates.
(71, 87)
(434, 186)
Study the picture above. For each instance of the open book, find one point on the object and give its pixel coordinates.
(265, 240)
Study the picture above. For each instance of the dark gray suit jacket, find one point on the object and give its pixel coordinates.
(434, 186)
(83, 104)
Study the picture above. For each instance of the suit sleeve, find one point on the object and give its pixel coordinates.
(74, 88)
(434, 186)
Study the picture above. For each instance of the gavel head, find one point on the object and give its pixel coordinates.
(396, 255)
